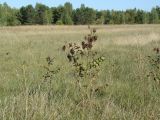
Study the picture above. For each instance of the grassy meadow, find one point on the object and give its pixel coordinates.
(130, 94)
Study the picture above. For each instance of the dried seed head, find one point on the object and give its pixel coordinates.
(72, 51)
(95, 38)
(49, 60)
(89, 46)
(64, 48)
(157, 50)
(75, 44)
(81, 53)
(70, 45)
(83, 45)
(90, 39)
(69, 56)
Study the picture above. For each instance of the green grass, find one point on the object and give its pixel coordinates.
(130, 94)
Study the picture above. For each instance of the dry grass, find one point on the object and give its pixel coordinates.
(130, 94)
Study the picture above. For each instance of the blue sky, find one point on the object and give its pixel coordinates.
(97, 4)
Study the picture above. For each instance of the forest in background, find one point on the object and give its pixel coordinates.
(41, 14)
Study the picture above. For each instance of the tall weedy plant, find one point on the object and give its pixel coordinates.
(86, 62)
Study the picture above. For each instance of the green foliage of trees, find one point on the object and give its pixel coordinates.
(139, 17)
(66, 19)
(116, 17)
(84, 15)
(8, 15)
(100, 17)
(158, 10)
(130, 16)
(146, 18)
(26, 15)
(57, 14)
(154, 16)
(67, 14)
(43, 15)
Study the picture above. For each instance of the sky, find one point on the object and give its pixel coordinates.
(96, 4)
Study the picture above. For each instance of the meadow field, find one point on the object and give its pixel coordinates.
(130, 93)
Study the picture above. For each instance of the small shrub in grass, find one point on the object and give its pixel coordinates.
(86, 62)
(154, 62)
(49, 71)
(46, 85)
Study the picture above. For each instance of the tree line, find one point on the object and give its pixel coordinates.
(43, 15)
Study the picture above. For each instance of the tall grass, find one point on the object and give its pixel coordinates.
(130, 93)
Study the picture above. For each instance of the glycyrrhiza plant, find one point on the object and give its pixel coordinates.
(85, 61)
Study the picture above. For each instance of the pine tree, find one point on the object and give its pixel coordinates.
(154, 16)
